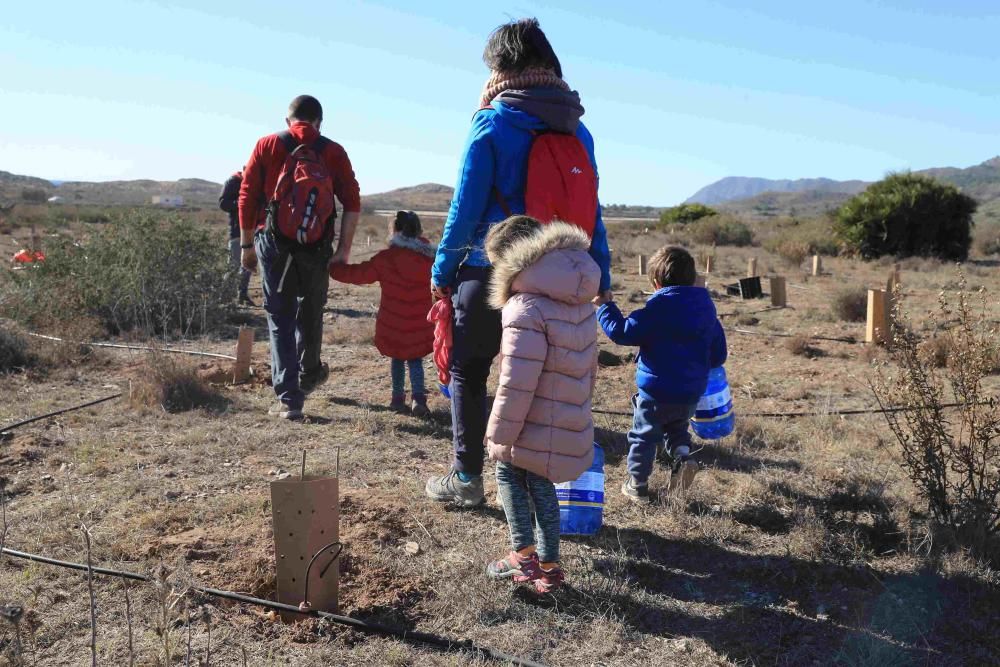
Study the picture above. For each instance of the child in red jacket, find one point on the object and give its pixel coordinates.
(402, 331)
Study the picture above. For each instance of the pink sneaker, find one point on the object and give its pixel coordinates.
(515, 566)
(549, 580)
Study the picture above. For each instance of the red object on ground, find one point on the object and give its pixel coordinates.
(404, 272)
(26, 256)
(441, 316)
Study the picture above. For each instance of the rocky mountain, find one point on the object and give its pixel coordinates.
(423, 197)
(735, 188)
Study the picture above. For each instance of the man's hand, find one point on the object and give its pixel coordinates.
(439, 292)
(339, 257)
(248, 259)
(603, 297)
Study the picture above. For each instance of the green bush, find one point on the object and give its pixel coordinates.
(686, 213)
(850, 304)
(720, 230)
(907, 214)
(137, 273)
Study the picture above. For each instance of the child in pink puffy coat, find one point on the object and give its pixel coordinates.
(541, 430)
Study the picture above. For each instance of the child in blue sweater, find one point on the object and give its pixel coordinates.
(680, 340)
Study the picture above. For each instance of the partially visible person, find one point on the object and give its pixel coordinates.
(290, 231)
(524, 97)
(680, 340)
(541, 430)
(229, 201)
(402, 331)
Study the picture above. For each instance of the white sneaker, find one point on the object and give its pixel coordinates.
(282, 411)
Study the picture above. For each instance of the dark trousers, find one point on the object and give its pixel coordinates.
(295, 287)
(655, 425)
(521, 492)
(475, 343)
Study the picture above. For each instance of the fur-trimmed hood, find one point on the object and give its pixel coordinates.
(555, 263)
(420, 245)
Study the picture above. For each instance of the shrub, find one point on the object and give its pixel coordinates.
(908, 214)
(793, 252)
(850, 305)
(34, 195)
(14, 353)
(721, 230)
(988, 239)
(686, 213)
(137, 273)
(801, 346)
(950, 455)
(173, 385)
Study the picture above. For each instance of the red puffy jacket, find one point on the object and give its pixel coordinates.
(404, 271)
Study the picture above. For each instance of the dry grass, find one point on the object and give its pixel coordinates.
(850, 304)
(801, 542)
(172, 384)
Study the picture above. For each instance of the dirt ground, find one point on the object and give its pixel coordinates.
(800, 543)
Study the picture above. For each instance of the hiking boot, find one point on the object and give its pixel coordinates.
(549, 580)
(398, 403)
(419, 407)
(245, 300)
(314, 378)
(637, 493)
(515, 566)
(682, 473)
(282, 411)
(449, 488)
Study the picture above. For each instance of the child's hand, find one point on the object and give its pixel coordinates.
(603, 297)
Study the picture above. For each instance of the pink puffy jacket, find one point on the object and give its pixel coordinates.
(541, 418)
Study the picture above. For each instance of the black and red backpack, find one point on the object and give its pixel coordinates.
(560, 183)
(302, 208)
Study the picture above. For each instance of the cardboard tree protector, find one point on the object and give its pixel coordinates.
(306, 521)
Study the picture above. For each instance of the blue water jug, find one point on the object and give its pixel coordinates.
(581, 502)
(714, 418)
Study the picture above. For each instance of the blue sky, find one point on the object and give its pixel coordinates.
(678, 94)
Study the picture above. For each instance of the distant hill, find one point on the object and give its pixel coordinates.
(196, 192)
(807, 204)
(423, 197)
(735, 188)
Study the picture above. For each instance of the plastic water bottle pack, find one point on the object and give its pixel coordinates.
(714, 417)
(581, 502)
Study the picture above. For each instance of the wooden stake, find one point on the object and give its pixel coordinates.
(642, 265)
(244, 350)
(709, 263)
(369, 241)
(752, 267)
(877, 327)
(817, 265)
(779, 298)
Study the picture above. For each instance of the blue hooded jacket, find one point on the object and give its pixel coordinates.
(496, 155)
(680, 340)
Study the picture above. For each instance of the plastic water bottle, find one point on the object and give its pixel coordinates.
(714, 418)
(581, 502)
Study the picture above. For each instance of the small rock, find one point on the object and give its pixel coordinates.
(418, 454)
(45, 478)
(172, 495)
(284, 475)
(412, 548)
(272, 472)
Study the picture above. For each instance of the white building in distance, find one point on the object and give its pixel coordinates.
(172, 201)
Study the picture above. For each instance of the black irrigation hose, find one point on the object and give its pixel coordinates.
(836, 413)
(140, 348)
(32, 420)
(769, 334)
(412, 636)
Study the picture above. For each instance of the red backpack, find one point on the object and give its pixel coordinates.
(560, 184)
(302, 208)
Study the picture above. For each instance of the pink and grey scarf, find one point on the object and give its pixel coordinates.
(530, 78)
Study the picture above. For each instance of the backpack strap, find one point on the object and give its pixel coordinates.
(288, 141)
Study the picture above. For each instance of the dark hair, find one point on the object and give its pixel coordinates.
(672, 265)
(407, 223)
(307, 108)
(520, 45)
(505, 234)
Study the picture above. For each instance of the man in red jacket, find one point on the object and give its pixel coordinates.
(295, 278)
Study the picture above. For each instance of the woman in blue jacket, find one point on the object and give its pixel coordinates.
(524, 94)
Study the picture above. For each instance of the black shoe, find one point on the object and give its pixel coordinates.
(314, 378)
(634, 492)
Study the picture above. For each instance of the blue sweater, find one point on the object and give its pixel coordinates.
(680, 340)
(496, 155)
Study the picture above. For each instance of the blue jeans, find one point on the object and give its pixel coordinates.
(516, 486)
(295, 286)
(416, 367)
(655, 425)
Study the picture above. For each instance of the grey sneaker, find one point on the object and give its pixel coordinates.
(450, 489)
(682, 474)
(637, 493)
(282, 411)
